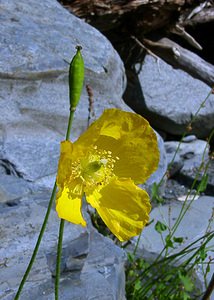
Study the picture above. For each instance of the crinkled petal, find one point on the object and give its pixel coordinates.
(129, 137)
(123, 206)
(65, 160)
(69, 208)
(70, 190)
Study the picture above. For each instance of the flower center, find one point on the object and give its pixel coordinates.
(94, 170)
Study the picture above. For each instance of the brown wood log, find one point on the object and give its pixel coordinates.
(136, 27)
(146, 15)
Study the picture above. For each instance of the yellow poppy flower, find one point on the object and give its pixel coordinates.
(118, 151)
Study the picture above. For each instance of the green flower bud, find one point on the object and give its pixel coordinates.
(76, 78)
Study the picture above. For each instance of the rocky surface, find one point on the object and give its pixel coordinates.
(92, 266)
(34, 110)
(191, 161)
(169, 98)
(34, 48)
(190, 153)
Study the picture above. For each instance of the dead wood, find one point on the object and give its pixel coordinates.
(204, 16)
(136, 27)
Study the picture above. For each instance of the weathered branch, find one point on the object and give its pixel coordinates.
(204, 16)
(182, 58)
(177, 29)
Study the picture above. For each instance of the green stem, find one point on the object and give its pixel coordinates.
(62, 222)
(137, 244)
(42, 230)
(70, 120)
(58, 261)
(37, 243)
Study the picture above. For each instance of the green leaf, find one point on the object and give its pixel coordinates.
(131, 257)
(160, 227)
(203, 253)
(186, 281)
(207, 269)
(178, 239)
(155, 193)
(203, 184)
(137, 285)
(169, 243)
(185, 296)
(154, 190)
(131, 273)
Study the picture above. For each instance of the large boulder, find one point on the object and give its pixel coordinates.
(35, 43)
(191, 162)
(169, 98)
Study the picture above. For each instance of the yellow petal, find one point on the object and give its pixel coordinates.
(66, 151)
(138, 155)
(123, 206)
(129, 137)
(69, 208)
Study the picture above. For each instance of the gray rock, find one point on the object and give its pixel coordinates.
(189, 138)
(174, 190)
(207, 170)
(92, 266)
(33, 82)
(190, 154)
(191, 161)
(109, 265)
(169, 98)
(12, 189)
(36, 45)
(32, 149)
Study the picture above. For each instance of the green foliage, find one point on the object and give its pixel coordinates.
(178, 240)
(169, 242)
(168, 277)
(203, 184)
(160, 227)
(186, 281)
(155, 195)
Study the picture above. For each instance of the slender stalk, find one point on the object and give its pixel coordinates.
(62, 222)
(137, 244)
(37, 243)
(58, 261)
(42, 230)
(70, 120)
